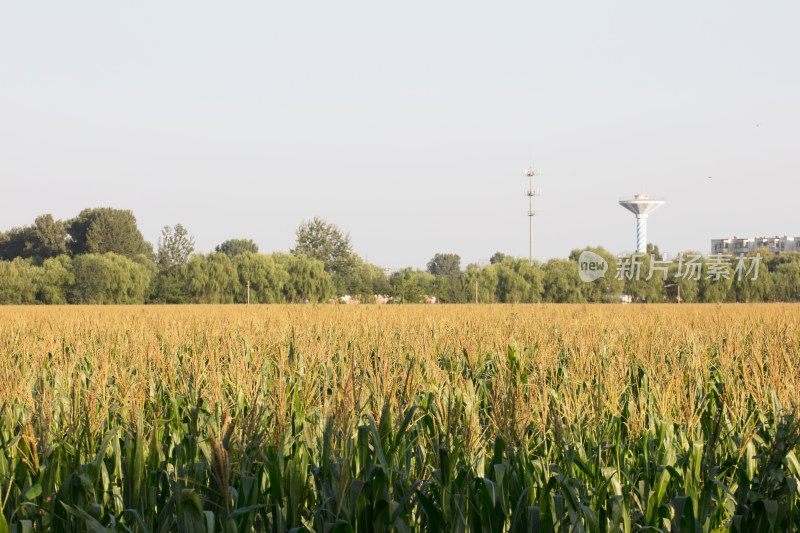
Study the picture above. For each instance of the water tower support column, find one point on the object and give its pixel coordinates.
(641, 233)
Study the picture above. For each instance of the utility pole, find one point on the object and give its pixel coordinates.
(248, 292)
(476, 290)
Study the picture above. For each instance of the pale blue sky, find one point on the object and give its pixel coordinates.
(408, 125)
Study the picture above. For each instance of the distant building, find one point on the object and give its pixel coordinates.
(737, 246)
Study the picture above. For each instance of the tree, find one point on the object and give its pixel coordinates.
(365, 281)
(307, 279)
(235, 247)
(652, 250)
(325, 242)
(175, 246)
(169, 287)
(518, 281)
(56, 281)
(211, 279)
(605, 289)
(562, 283)
(49, 237)
(445, 264)
(408, 285)
(103, 230)
(716, 279)
(108, 279)
(787, 281)
(644, 280)
(16, 242)
(749, 284)
(18, 281)
(498, 257)
(46, 238)
(266, 277)
(485, 279)
(511, 286)
(679, 280)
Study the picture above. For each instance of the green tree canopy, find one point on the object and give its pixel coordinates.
(307, 279)
(266, 277)
(518, 281)
(212, 279)
(605, 289)
(46, 238)
(325, 242)
(18, 281)
(102, 230)
(108, 279)
(787, 282)
(175, 246)
(643, 279)
(410, 286)
(497, 257)
(562, 282)
(50, 236)
(15, 243)
(483, 280)
(365, 281)
(56, 281)
(445, 264)
(235, 247)
(679, 281)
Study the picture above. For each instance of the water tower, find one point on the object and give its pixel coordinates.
(641, 205)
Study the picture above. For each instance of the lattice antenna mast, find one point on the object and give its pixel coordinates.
(530, 192)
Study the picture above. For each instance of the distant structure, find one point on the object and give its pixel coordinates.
(641, 205)
(530, 192)
(740, 247)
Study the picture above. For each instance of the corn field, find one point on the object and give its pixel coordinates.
(550, 418)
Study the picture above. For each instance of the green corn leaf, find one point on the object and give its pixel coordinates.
(771, 509)
(210, 521)
(90, 521)
(432, 512)
(678, 505)
(398, 437)
(245, 510)
(591, 519)
(376, 442)
(404, 501)
(617, 512)
(33, 492)
(519, 509)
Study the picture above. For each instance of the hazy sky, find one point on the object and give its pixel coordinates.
(408, 124)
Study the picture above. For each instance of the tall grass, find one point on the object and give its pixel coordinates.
(412, 418)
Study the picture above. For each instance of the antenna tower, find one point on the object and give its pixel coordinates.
(530, 192)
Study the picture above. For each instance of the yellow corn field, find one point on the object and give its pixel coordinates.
(553, 388)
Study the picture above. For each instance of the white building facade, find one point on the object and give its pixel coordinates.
(737, 246)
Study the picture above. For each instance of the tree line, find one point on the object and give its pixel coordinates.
(514, 280)
(101, 257)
